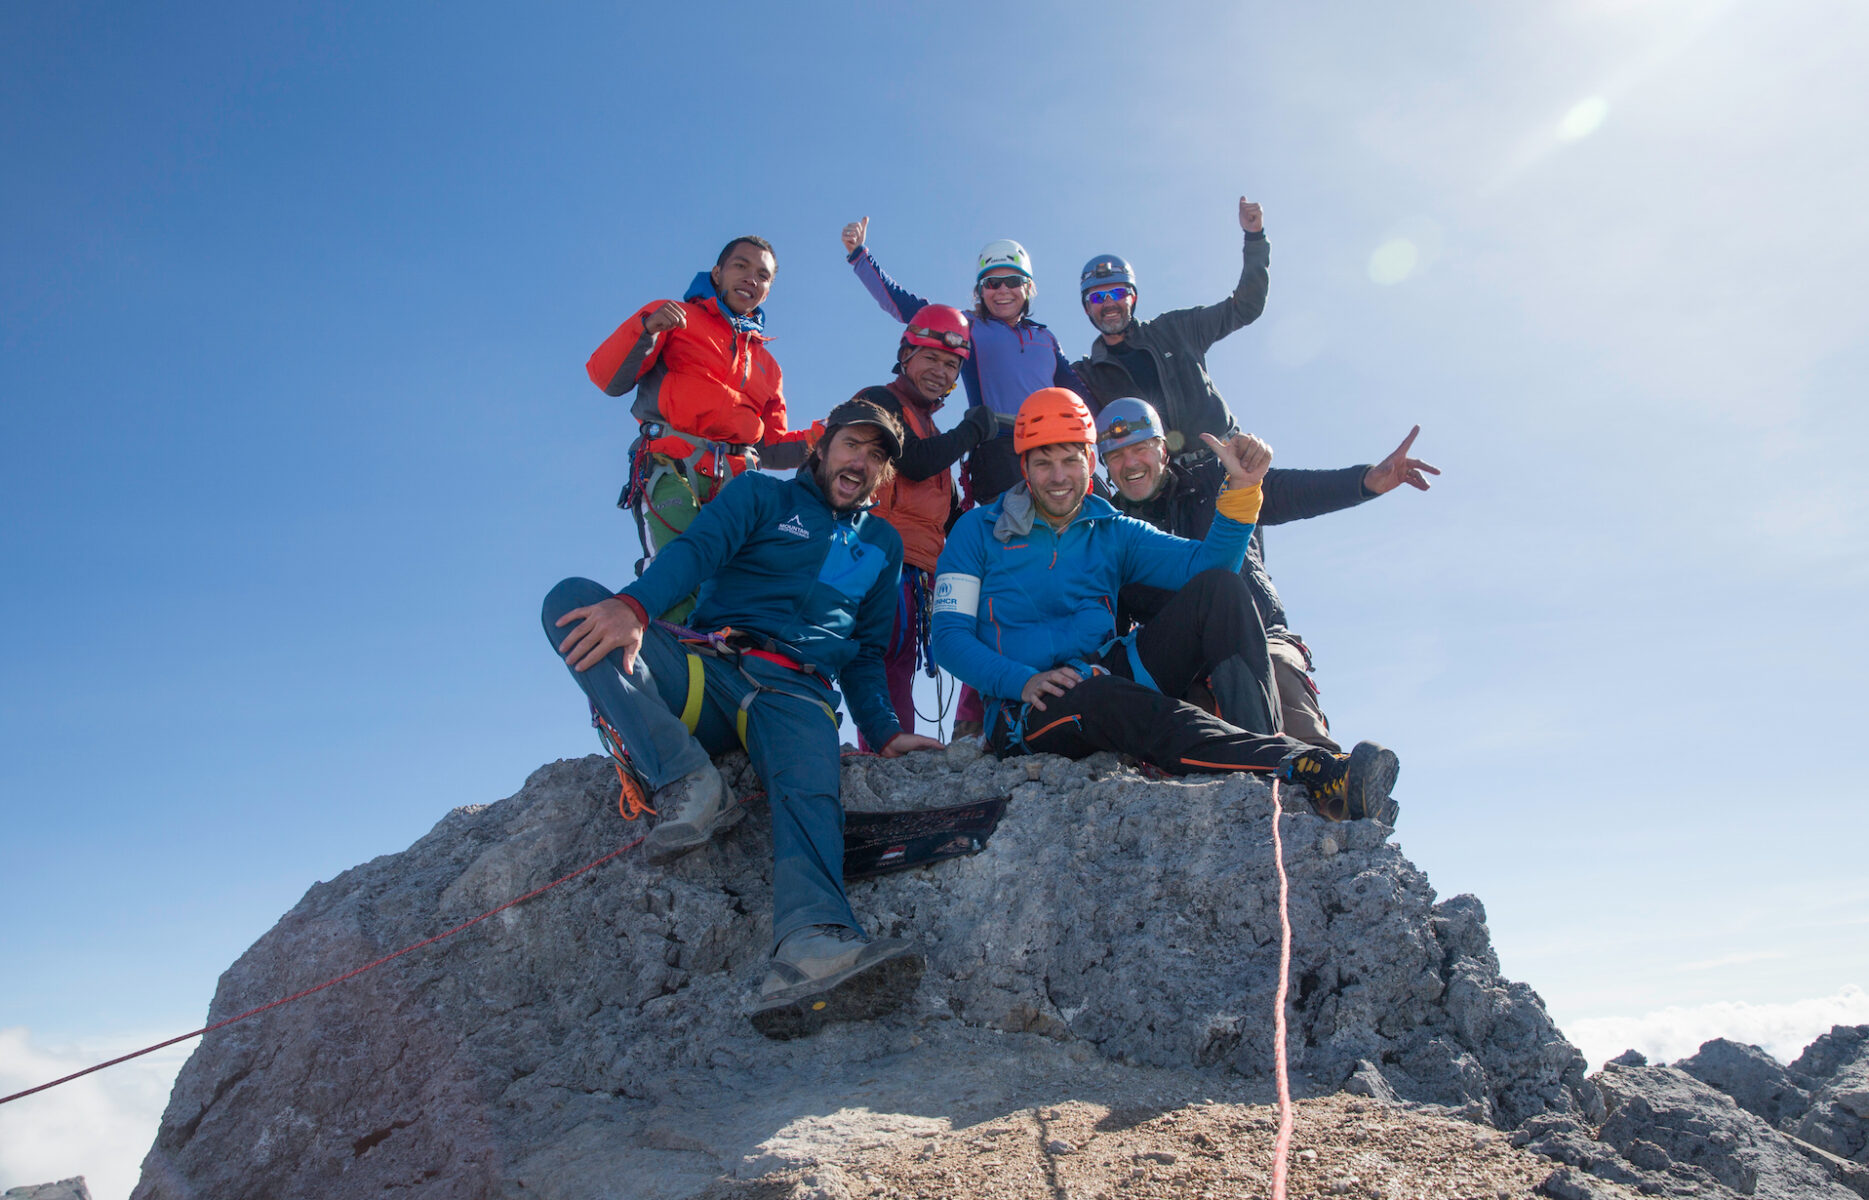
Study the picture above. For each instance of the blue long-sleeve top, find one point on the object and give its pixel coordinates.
(771, 557)
(1014, 597)
(1008, 362)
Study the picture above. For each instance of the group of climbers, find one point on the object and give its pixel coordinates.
(1135, 616)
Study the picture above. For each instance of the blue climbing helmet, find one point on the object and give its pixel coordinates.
(1105, 270)
(1125, 422)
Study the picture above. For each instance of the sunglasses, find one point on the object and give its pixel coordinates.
(947, 337)
(995, 282)
(1109, 294)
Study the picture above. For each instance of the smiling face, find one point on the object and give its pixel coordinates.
(1137, 470)
(1059, 477)
(1005, 303)
(931, 372)
(745, 278)
(1112, 315)
(852, 463)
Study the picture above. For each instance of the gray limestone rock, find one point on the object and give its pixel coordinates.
(1675, 1135)
(594, 1042)
(1568, 1183)
(1837, 1064)
(1753, 1078)
(64, 1189)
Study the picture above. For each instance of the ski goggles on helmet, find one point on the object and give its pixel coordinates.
(1122, 427)
(947, 337)
(1118, 293)
(995, 282)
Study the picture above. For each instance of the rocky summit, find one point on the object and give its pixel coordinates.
(593, 1041)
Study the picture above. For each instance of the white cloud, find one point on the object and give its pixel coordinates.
(1673, 1033)
(99, 1127)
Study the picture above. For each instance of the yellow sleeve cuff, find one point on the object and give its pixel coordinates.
(1241, 504)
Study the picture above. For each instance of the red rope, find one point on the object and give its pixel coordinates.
(253, 1012)
(1281, 1147)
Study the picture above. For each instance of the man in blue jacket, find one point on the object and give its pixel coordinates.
(797, 586)
(1025, 595)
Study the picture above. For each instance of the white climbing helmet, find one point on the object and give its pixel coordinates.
(1003, 256)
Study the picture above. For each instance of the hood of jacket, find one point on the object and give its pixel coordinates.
(703, 288)
(1018, 512)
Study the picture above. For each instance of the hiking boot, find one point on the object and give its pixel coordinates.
(966, 729)
(1347, 787)
(694, 808)
(825, 973)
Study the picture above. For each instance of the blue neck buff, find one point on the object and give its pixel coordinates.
(703, 287)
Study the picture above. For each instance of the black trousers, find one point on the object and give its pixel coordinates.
(1195, 640)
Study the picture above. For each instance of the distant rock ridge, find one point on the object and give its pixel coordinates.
(1729, 1120)
(1113, 923)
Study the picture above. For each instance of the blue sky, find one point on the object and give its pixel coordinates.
(294, 305)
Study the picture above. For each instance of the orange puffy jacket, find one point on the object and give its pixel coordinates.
(920, 509)
(706, 379)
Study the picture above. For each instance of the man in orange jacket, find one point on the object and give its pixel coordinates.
(708, 393)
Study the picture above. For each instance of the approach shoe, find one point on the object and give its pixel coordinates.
(825, 973)
(693, 808)
(1347, 787)
(966, 729)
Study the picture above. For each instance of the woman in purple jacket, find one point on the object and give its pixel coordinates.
(1013, 355)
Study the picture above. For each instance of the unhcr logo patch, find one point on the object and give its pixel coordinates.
(794, 526)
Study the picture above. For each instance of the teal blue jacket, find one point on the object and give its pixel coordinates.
(1014, 597)
(771, 558)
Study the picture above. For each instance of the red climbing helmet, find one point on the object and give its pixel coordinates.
(939, 327)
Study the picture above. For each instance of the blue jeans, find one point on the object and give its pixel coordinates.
(791, 740)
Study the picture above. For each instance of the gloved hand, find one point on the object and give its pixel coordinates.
(982, 420)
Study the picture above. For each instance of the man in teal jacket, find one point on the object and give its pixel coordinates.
(1025, 595)
(797, 587)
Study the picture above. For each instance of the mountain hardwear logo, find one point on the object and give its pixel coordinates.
(795, 526)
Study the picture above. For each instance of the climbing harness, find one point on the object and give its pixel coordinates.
(734, 647)
(1138, 672)
(717, 462)
(1017, 738)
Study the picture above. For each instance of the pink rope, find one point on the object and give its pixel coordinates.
(1281, 1148)
(351, 974)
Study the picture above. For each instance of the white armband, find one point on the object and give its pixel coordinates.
(959, 594)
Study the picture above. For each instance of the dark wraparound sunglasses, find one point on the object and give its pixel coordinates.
(995, 282)
(1108, 294)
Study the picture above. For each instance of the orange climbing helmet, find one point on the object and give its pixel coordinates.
(1053, 416)
(1050, 416)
